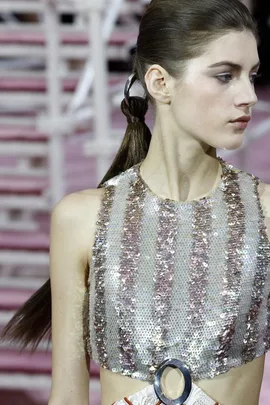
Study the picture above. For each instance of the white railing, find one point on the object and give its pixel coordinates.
(61, 111)
(87, 78)
(100, 29)
(56, 147)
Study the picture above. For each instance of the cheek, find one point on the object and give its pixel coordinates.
(202, 103)
(201, 106)
(211, 101)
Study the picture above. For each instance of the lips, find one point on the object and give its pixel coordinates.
(242, 119)
(240, 124)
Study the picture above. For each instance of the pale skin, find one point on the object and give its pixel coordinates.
(192, 120)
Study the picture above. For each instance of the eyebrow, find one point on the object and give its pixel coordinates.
(231, 64)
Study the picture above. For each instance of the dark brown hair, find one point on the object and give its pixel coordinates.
(171, 33)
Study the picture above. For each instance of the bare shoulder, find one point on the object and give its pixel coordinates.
(77, 213)
(264, 193)
(72, 204)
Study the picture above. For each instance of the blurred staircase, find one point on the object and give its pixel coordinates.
(50, 138)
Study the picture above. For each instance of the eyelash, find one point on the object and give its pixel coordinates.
(256, 76)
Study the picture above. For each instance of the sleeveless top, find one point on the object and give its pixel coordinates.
(186, 280)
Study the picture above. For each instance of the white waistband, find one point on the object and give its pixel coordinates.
(147, 396)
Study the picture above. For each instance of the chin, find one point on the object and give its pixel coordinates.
(232, 142)
(232, 145)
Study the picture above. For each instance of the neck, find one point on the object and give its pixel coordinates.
(179, 170)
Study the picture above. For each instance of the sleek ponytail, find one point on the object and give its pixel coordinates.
(136, 142)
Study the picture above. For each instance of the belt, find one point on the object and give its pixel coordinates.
(153, 394)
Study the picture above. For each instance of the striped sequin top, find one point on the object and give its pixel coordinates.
(186, 280)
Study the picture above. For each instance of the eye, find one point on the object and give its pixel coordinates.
(222, 78)
(256, 76)
(225, 78)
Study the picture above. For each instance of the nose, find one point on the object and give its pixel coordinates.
(246, 94)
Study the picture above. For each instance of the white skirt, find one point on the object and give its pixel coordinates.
(147, 396)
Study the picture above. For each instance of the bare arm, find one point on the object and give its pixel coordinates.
(264, 192)
(72, 232)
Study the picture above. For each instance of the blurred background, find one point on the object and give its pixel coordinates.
(63, 66)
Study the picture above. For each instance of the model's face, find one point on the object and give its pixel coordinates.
(208, 98)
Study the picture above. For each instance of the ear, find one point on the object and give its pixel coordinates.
(157, 81)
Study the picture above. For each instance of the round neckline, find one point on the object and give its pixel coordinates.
(218, 186)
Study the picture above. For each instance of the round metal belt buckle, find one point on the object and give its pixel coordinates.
(157, 383)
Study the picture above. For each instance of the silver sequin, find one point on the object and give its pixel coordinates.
(181, 279)
(99, 267)
(202, 234)
(263, 260)
(128, 272)
(233, 271)
(163, 279)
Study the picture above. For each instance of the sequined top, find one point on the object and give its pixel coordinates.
(186, 280)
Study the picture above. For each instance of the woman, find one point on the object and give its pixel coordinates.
(179, 264)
